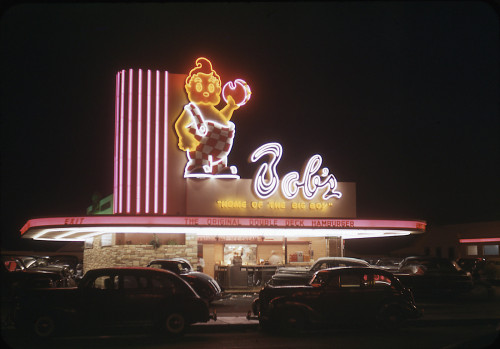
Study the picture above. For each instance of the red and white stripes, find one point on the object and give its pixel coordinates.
(141, 136)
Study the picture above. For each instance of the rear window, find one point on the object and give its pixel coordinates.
(106, 282)
(351, 280)
(375, 280)
(131, 282)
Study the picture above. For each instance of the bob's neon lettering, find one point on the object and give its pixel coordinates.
(266, 179)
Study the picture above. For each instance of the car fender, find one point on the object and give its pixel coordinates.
(278, 304)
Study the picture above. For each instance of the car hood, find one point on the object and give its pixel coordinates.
(293, 270)
(198, 275)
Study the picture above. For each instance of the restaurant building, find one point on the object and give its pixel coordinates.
(176, 193)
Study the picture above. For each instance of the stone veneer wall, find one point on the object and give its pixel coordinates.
(136, 255)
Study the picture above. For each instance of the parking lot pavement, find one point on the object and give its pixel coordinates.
(478, 307)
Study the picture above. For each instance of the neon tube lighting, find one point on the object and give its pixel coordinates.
(139, 140)
(129, 138)
(157, 143)
(232, 86)
(117, 107)
(148, 140)
(165, 139)
(266, 179)
(313, 223)
(478, 240)
(122, 117)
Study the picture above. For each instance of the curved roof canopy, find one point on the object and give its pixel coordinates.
(84, 227)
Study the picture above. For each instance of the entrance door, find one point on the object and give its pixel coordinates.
(335, 247)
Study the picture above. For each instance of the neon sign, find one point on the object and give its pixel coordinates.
(309, 182)
(237, 89)
(205, 132)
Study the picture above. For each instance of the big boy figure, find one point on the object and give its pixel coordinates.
(205, 133)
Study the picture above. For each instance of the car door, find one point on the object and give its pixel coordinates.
(342, 297)
(98, 301)
(134, 301)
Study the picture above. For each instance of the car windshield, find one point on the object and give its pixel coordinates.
(34, 262)
(435, 264)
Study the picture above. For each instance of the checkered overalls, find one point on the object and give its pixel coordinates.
(215, 140)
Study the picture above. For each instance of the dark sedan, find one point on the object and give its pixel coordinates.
(337, 296)
(114, 298)
(302, 276)
(434, 276)
(205, 285)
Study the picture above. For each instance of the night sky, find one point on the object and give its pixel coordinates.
(401, 98)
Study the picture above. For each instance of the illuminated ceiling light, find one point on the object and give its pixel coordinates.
(82, 233)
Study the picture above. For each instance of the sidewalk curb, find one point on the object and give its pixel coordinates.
(241, 326)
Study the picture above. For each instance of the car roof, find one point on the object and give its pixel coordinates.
(170, 260)
(343, 259)
(133, 269)
(340, 259)
(354, 268)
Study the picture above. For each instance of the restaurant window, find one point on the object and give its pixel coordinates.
(147, 239)
(247, 253)
(490, 250)
(472, 250)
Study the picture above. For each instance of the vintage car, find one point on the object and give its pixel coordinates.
(301, 276)
(337, 296)
(434, 276)
(16, 279)
(53, 265)
(388, 263)
(17, 276)
(114, 298)
(484, 271)
(205, 285)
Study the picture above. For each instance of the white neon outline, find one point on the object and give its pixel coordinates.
(289, 186)
(117, 136)
(129, 138)
(148, 140)
(232, 86)
(201, 129)
(122, 121)
(311, 183)
(139, 141)
(165, 140)
(197, 120)
(209, 175)
(266, 179)
(157, 143)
